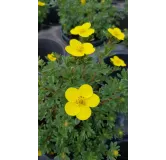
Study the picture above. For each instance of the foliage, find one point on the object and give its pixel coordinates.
(66, 136)
(100, 14)
(42, 11)
(125, 42)
(126, 6)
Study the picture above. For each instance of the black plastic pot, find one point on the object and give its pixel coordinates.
(109, 63)
(46, 46)
(39, 27)
(120, 0)
(95, 42)
(123, 149)
(120, 119)
(43, 27)
(46, 157)
(51, 19)
(123, 23)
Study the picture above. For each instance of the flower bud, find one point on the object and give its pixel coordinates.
(83, 2)
(115, 153)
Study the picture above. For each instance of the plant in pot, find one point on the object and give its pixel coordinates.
(79, 102)
(77, 12)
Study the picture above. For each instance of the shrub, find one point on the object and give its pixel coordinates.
(79, 103)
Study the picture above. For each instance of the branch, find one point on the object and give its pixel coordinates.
(93, 77)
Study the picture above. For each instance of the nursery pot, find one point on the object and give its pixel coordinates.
(124, 57)
(95, 43)
(46, 46)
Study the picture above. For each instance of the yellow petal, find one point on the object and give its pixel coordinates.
(87, 33)
(84, 114)
(86, 91)
(75, 31)
(122, 36)
(88, 48)
(123, 63)
(110, 30)
(83, 2)
(73, 51)
(116, 58)
(39, 153)
(51, 57)
(86, 25)
(93, 101)
(117, 30)
(41, 4)
(72, 109)
(116, 63)
(72, 94)
(74, 43)
(112, 59)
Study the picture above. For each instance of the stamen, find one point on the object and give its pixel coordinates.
(80, 100)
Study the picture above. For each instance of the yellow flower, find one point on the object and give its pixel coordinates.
(41, 4)
(51, 57)
(117, 61)
(78, 49)
(116, 32)
(80, 100)
(83, 31)
(102, 1)
(83, 1)
(39, 153)
(115, 153)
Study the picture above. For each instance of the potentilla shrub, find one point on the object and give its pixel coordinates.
(76, 12)
(79, 102)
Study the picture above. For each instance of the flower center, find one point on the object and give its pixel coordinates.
(117, 34)
(80, 100)
(80, 48)
(117, 61)
(82, 30)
